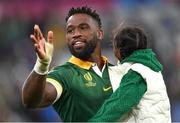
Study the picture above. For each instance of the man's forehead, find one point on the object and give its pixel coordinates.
(79, 18)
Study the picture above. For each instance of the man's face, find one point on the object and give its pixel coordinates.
(82, 35)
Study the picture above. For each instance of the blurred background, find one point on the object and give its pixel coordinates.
(160, 19)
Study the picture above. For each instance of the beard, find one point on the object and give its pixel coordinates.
(85, 52)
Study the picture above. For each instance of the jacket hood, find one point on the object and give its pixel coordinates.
(146, 57)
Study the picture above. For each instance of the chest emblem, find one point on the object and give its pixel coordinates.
(88, 78)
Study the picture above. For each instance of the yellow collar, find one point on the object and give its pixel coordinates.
(84, 64)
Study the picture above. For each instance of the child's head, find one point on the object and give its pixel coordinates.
(128, 39)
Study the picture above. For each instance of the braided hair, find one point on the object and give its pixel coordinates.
(129, 39)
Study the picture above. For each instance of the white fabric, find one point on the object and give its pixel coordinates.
(154, 107)
(116, 73)
(41, 67)
(97, 70)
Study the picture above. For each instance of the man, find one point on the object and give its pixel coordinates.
(141, 96)
(79, 87)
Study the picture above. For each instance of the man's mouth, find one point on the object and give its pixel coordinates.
(79, 44)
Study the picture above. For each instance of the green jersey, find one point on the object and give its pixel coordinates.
(130, 91)
(83, 90)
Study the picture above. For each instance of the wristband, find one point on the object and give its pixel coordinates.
(42, 65)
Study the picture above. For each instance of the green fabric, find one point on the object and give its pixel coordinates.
(83, 92)
(131, 90)
(129, 93)
(146, 57)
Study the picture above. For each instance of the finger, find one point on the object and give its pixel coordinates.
(36, 47)
(38, 51)
(34, 39)
(50, 37)
(37, 32)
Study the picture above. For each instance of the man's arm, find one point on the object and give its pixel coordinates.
(36, 92)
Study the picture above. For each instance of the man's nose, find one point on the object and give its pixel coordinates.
(77, 33)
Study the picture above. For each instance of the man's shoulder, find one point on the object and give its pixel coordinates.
(63, 67)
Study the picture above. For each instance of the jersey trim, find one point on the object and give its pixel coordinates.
(57, 85)
(84, 64)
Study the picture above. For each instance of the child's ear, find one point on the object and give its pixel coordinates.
(100, 34)
(117, 53)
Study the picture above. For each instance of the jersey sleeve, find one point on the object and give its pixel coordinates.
(128, 94)
(53, 79)
(59, 78)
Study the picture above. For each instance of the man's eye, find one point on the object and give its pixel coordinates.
(84, 27)
(69, 31)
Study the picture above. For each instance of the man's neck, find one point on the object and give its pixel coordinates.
(98, 60)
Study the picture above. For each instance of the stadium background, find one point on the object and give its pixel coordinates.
(160, 18)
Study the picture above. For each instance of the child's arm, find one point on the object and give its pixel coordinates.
(130, 92)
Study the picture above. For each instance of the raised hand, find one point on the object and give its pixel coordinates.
(43, 48)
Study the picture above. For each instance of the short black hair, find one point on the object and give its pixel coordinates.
(85, 10)
(128, 39)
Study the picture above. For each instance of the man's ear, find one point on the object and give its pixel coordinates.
(100, 34)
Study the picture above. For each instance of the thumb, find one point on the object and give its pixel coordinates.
(50, 37)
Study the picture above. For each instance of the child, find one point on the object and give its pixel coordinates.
(139, 90)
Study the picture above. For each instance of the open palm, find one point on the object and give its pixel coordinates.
(42, 48)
